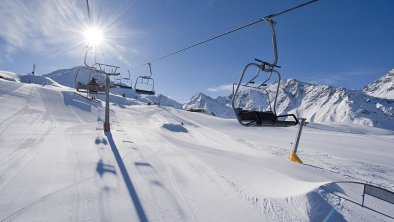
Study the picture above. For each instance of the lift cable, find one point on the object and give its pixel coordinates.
(87, 5)
(226, 33)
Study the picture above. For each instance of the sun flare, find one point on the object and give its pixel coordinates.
(94, 36)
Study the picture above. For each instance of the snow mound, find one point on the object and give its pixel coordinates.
(383, 87)
(40, 80)
(10, 76)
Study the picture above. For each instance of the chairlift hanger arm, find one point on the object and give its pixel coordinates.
(86, 55)
(150, 68)
(272, 27)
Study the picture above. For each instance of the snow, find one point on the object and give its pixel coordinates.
(167, 164)
(9, 76)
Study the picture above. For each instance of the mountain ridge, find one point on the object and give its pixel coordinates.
(317, 103)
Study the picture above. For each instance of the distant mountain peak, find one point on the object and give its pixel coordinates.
(383, 87)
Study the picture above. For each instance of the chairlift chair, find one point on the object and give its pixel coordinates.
(149, 83)
(125, 82)
(262, 118)
(93, 85)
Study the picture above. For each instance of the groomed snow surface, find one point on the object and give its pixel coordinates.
(165, 164)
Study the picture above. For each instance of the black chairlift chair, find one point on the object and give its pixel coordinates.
(262, 118)
(147, 81)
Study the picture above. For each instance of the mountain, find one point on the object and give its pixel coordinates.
(210, 105)
(317, 103)
(383, 87)
(331, 104)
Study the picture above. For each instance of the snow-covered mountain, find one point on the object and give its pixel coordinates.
(317, 103)
(383, 87)
(215, 107)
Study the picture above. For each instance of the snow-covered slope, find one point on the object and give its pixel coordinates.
(165, 164)
(317, 103)
(383, 87)
(212, 106)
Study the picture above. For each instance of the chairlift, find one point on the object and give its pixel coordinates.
(267, 118)
(125, 82)
(94, 84)
(145, 84)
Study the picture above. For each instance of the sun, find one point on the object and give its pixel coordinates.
(94, 36)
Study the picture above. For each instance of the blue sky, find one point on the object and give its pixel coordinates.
(346, 43)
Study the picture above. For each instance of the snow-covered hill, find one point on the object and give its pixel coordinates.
(383, 87)
(66, 77)
(317, 103)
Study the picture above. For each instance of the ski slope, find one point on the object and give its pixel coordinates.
(165, 164)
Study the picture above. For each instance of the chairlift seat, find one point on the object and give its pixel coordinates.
(82, 87)
(122, 86)
(263, 118)
(145, 92)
